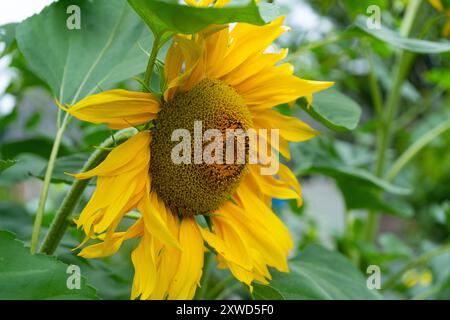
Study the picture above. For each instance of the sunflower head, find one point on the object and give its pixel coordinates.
(223, 79)
(198, 187)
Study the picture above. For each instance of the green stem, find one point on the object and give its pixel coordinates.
(350, 237)
(421, 260)
(47, 180)
(377, 97)
(219, 287)
(151, 63)
(62, 218)
(411, 13)
(415, 148)
(403, 64)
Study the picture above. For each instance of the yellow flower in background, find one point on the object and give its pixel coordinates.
(207, 3)
(227, 79)
(413, 277)
(443, 7)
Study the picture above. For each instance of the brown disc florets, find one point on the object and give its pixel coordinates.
(199, 188)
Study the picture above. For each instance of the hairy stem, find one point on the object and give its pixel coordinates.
(62, 218)
(151, 63)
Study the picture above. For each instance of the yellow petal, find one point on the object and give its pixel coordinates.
(132, 154)
(117, 108)
(151, 208)
(246, 40)
(291, 128)
(227, 241)
(275, 86)
(168, 261)
(103, 249)
(194, 68)
(270, 186)
(190, 265)
(288, 176)
(257, 247)
(253, 65)
(120, 186)
(144, 261)
(260, 214)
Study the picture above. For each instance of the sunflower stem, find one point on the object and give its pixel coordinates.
(62, 219)
(151, 63)
(47, 180)
(403, 64)
(219, 287)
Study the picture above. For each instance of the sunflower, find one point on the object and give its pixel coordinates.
(443, 6)
(225, 77)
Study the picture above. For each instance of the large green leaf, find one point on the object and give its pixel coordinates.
(170, 17)
(321, 156)
(334, 110)
(356, 175)
(317, 273)
(398, 41)
(27, 276)
(76, 63)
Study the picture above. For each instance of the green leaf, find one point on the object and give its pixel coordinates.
(169, 17)
(358, 176)
(334, 110)
(262, 292)
(26, 276)
(78, 62)
(321, 155)
(360, 196)
(317, 273)
(40, 146)
(393, 38)
(5, 164)
(63, 165)
(26, 163)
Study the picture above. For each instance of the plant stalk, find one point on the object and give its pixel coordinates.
(151, 63)
(403, 64)
(415, 148)
(47, 180)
